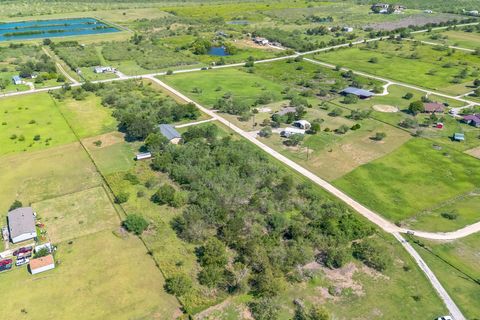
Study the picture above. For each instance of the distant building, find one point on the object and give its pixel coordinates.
(143, 156)
(302, 124)
(17, 80)
(170, 133)
(287, 132)
(361, 93)
(459, 137)
(42, 264)
(428, 11)
(439, 125)
(286, 110)
(261, 41)
(434, 107)
(47, 246)
(472, 119)
(100, 69)
(347, 29)
(21, 224)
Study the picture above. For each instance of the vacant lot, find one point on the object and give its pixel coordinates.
(31, 122)
(456, 266)
(77, 214)
(469, 40)
(35, 176)
(421, 65)
(97, 277)
(414, 178)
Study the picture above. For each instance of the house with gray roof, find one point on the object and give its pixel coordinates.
(21, 224)
(170, 133)
(361, 93)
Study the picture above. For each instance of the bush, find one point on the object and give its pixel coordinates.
(178, 285)
(449, 215)
(164, 195)
(408, 96)
(135, 223)
(379, 136)
(370, 253)
(132, 178)
(16, 204)
(416, 107)
(264, 309)
(265, 132)
(122, 197)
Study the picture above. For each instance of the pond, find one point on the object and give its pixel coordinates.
(24, 30)
(218, 51)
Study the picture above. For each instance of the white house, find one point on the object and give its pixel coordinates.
(21, 224)
(347, 29)
(142, 156)
(100, 69)
(17, 80)
(302, 124)
(261, 41)
(287, 132)
(42, 264)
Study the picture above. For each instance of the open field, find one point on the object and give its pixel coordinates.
(27, 116)
(93, 274)
(35, 176)
(76, 214)
(420, 65)
(457, 38)
(456, 266)
(385, 185)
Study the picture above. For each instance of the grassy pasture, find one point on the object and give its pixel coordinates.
(27, 116)
(100, 276)
(395, 62)
(455, 264)
(77, 214)
(413, 178)
(458, 38)
(114, 157)
(35, 176)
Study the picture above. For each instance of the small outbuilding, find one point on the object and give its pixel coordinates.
(434, 107)
(261, 41)
(170, 133)
(17, 80)
(42, 264)
(100, 69)
(286, 110)
(21, 224)
(302, 124)
(287, 132)
(361, 93)
(459, 137)
(143, 156)
(472, 119)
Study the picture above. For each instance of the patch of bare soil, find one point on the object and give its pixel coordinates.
(415, 20)
(247, 43)
(385, 108)
(106, 139)
(475, 152)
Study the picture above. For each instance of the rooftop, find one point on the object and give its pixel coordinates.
(41, 262)
(358, 92)
(21, 221)
(169, 132)
(434, 107)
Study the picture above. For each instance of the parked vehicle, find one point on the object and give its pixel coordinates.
(22, 261)
(6, 264)
(23, 251)
(444, 318)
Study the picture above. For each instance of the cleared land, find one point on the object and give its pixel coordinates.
(30, 123)
(414, 178)
(457, 38)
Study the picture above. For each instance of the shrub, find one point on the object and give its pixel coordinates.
(342, 129)
(135, 223)
(370, 253)
(16, 204)
(178, 285)
(265, 132)
(164, 195)
(132, 178)
(36, 137)
(379, 136)
(449, 215)
(264, 309)
(408, 96)
(122, 197)
(42, 253)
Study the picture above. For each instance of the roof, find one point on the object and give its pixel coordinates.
(21, 221)
(169, 132)
(434, 107)
(41, 262)
(16, 78)
(459, 136)
(357, 92)
(302, 122)
(294, 130)
(472, 117)
(286, 110)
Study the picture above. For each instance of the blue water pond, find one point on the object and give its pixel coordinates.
(218, 51)
(24, 30)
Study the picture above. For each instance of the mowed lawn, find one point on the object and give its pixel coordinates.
(411, 179)
(76, 214)
(39, 175)
(88, 117)
(100, 276)
(394, 61)
(455, 263)
(24, 117)
(213, 84)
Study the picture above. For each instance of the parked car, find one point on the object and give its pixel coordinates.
(22, 261)
(444, 318)
(204, 68)
(6, 264)
(23, 251)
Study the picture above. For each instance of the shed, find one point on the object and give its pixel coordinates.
(17, 80)
(21, 224)
(170, 133)
(472, 119)
(142, 156)
(432, 107)
(459, 137)
(302, 124)
(361, 93)
(42, 264)
(286, 110)
(287, 132)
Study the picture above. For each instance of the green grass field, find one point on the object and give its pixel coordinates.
(100, 276)
(76, 214)
(455, 264)
(24, 117)
(428, 69)
(457, 38)
(413, 178)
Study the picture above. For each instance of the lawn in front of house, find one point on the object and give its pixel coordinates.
(413, 178)
(31, 122)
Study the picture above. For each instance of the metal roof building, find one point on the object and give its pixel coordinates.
(21, 224)
(170, 133)
(358, 92)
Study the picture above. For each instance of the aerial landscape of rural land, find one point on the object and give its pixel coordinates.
(269, 159)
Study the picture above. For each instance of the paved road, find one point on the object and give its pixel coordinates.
(454, 311)
(375, 218)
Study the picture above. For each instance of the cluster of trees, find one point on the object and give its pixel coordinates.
(253, 224)
(76, 55)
